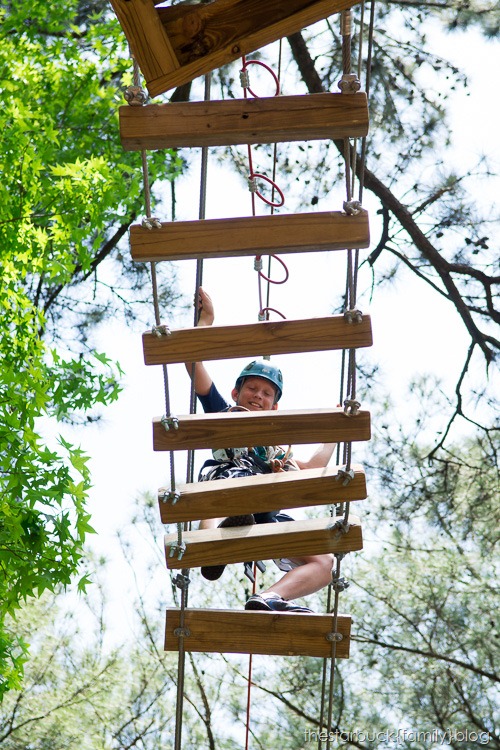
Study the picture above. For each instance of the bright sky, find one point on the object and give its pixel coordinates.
(407, 339)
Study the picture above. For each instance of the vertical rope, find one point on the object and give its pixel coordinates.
(190, 456)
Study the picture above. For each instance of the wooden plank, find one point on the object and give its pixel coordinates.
(250, 235)
(244, 121)
(147, 37)
(261, 493)
(263, 541)
(208, 36)
(256, 339)
(196, 431)
(225, 631)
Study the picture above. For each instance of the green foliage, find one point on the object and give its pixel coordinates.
(67, 194)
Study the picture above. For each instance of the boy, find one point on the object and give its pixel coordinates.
(259, 387)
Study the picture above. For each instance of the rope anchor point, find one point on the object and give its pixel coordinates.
(170, 421)
(135, 96)
(340, 528)
(179, 547)
(161, 330)
(182, 632)
(340, 584)
(353, 316)
(182, 582)
(171, 496)
(336, 637)
(151, 222)
(351, 407)
(352, 207)
(345, 476)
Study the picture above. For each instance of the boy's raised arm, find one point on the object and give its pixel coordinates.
(319, 458)
(201, 379)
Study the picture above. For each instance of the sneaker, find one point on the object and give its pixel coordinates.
(275, 604)
(213, 572)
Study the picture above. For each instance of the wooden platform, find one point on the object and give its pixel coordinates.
(196, 431)
(239, 632)
(261, 493)
(244, 121)
(250, 235)
(256, 339)
(176, 44)
(265, 541)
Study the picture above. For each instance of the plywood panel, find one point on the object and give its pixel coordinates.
(250, 235)
(261, 493)
(225, 631)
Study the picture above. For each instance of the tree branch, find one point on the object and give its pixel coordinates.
(428, 655)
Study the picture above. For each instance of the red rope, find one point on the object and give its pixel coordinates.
(285, 267)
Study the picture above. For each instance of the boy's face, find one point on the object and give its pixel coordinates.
(255, 394)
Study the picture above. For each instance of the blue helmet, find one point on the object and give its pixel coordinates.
(262, 370)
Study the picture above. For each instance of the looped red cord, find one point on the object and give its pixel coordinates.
(272, 309)
(246, 63)
(274, 204)
(272, 281)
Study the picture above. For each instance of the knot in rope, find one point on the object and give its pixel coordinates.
(352, 207)
(161, 330)
(172, 496)
(252, 185)
(244, 79)
(349, 83)
(351, 407)
(151, 222)
(353, 316)
(170, 421)
(182, 582)
(257, 264)
(340, 584)
(177, 547)
(135, 96)
(340, 527)
(345, 476)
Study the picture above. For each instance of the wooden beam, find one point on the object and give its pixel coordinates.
(204, 36)
(256, 339)
(196, 431)
(250, 235)
(147, 38)
(244, 121)
(263, 541)
(261, 493)
(225, 631)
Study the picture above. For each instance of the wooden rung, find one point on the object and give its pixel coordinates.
(250, 235)
(256, 339)
(196, 431)
(263, 541)
(244, 121)
(225, 631)
(205, 36)
(261, 493)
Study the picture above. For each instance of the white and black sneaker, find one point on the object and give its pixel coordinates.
(274, 603)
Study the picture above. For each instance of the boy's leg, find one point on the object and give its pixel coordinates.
(313, 573)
